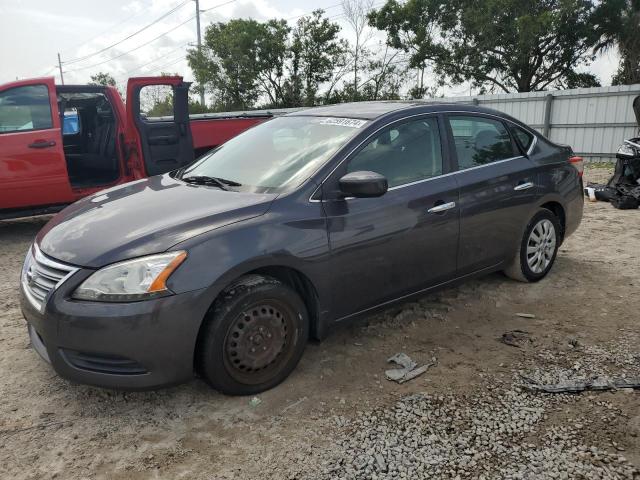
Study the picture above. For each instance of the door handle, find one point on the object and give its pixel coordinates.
(442, 207)
(42, 144)
(523, 186)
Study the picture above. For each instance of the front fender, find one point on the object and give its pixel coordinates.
(218, 258)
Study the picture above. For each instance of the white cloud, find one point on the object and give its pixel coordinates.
(32, 32)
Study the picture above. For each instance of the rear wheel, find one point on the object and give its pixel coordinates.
(254, 337)
(538, 248)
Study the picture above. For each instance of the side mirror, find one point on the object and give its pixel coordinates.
(363, 185)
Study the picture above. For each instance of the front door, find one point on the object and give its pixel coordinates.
(158, 126)
(404, 241)
(498, 186)
(33, 171)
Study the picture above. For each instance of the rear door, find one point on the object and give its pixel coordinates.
(498, 186)
(158, 129)
(33, 171)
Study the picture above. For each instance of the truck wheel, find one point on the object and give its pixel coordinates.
(538, 248)
(253, 337)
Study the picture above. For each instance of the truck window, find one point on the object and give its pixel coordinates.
(25, 108)
(156, 101)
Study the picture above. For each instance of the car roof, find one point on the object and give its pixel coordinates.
(377, 109)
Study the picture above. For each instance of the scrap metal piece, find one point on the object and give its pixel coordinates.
(598, 384)
(408, 370)
(515, 338)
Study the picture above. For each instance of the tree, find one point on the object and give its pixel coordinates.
(618, 26)
(227, 65)
(413, 28)
(157, 100)
(383, 77)
(504, 45)
(315, 50)
(356, 15)
(273, 53)
(102, 78)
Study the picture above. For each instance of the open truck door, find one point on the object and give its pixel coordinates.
(33, 171)
(162, 143)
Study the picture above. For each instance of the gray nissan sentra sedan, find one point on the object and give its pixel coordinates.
(227, 266)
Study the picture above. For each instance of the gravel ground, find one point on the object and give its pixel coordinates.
(337, 417)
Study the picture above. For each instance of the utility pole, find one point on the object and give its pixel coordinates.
(199, 45)
(60, 68)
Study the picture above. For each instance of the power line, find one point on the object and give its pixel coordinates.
(309, 13)
(150, 41)
(162, 57)
(218, 6)
(115, 25)
(134, 49)
(85, 57)
(161, 68)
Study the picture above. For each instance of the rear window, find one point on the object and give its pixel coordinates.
(25, 108)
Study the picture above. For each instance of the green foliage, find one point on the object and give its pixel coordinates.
(617, 23)
(505, 45)
(228, 64)
(243, 61)
(161, 108)
(102, 78)
(315, 51)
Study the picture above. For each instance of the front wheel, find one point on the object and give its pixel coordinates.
(538, 248)
(254, 337)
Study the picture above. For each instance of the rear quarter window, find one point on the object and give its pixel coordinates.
(524, 138)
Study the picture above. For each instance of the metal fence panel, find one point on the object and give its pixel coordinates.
(594, 121)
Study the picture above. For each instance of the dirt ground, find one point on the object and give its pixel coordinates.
(50, 428)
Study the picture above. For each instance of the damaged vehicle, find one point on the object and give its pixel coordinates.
(227, 266)
(623, 188)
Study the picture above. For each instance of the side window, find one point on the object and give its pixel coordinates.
(524, 138)
(404, 153)
(156, 101)
(480, 141)
(25, 108)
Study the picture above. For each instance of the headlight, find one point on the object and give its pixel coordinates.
(131, 280)
(626, 150)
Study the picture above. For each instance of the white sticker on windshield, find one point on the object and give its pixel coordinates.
(344, 122)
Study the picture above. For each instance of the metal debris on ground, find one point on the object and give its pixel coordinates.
(297, 402)
(525, 315)
(408, 370)
(583, 384)
(515, 338)
(255, 401)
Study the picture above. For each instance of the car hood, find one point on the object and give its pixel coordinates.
(143, 217)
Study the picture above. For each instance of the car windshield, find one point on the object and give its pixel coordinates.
(277, 155)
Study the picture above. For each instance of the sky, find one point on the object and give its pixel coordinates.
(33, 32)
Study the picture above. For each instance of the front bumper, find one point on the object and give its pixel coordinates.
(130, 346)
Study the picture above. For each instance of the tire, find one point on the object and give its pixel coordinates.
(253, 337)
(546, 225)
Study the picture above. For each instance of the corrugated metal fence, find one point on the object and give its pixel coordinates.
(594, 121)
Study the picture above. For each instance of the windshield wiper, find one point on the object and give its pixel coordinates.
(221, 183)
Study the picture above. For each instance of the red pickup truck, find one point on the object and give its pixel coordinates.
(44, 167)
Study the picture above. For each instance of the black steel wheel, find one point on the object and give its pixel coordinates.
(254, 337)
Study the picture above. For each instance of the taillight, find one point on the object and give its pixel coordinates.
(577, 162)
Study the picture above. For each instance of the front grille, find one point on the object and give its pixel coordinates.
(101, 363)
(41, 275)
